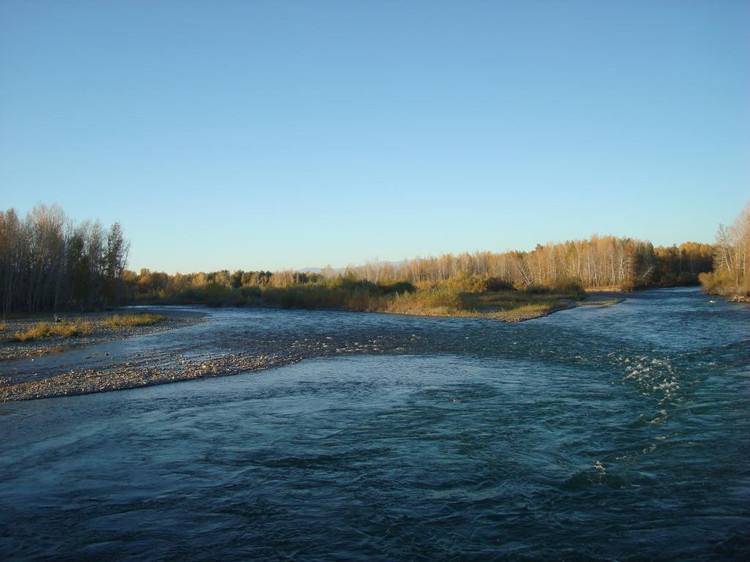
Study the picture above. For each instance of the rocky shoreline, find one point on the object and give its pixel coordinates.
(162, 368)
(123, 377)
(189, 360)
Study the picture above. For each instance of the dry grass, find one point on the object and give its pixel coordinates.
(606, 289)
(506, 305)
(81, 327)
(66, 329)
(132, 320)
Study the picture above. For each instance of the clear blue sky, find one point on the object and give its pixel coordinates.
(294, 134)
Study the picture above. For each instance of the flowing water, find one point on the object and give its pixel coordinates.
(595, 433)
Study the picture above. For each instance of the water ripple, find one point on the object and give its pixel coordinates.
(602, 434)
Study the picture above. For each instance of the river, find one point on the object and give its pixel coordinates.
(594, 433)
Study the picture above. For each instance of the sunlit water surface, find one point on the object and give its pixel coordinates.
(595, 433)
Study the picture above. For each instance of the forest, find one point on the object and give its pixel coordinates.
(597, 263)
(51, 263)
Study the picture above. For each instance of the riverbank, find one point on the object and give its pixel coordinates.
(180, 360)
(35, 336)
(24, 337)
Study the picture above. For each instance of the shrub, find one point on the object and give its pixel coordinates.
(397, 288)
(250, 293)
(498, 284)
(429, 298)
(351, 284)
(466, 283)
(718, 282)
(569, 286)
(534, 289)
(219, 295)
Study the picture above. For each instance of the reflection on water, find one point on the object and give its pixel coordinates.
(602, 433)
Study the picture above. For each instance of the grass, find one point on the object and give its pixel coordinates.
(65, 329)
(133, 320)
(81, 327)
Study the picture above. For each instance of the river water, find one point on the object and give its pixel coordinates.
(595, 433)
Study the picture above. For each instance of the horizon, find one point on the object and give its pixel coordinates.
(281, 136)
(339, 268)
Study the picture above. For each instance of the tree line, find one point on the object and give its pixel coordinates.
(598, 262)
(49, 262)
